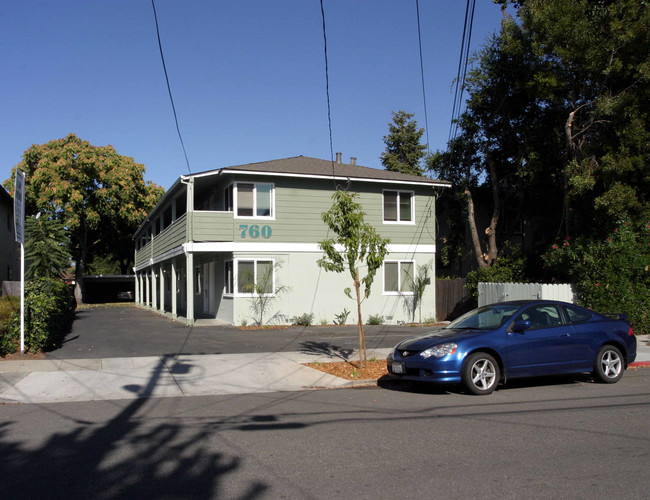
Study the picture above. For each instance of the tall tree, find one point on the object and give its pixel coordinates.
(356, 244)
(555, 127)
(99, 196)
(404, 152)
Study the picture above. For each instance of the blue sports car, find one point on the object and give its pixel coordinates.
(518, 339)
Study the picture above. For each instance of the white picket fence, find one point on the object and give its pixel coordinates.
(490, 293)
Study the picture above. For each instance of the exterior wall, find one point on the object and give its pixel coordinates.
(208, 236)
(312, 290)
(9, 249)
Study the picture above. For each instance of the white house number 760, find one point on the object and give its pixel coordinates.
(254, 231)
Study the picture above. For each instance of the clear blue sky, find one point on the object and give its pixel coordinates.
(247, 76)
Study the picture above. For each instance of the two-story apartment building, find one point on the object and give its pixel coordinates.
(218, 239)
(9, 249)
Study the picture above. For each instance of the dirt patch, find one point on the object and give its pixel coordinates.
(350, 370)
(28, 356)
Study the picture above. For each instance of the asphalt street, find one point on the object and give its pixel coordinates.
(563, 438)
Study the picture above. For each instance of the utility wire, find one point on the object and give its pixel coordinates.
(169, 89)
(462, 68)
(327, 89)
(424, 93)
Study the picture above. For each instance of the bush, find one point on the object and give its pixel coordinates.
(504, 270)
(303, 320)
(340, 319)
(49, 310)
(375, 319)
(611, 275)
(8, 343)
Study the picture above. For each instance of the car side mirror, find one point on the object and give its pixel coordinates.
(521, 325)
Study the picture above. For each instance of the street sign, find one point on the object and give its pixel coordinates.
(19, 206)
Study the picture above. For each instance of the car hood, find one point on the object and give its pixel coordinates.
(439, 337)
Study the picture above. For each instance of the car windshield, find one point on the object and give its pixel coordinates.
(485, 318)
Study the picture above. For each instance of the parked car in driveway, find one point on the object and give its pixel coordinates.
(494, 343)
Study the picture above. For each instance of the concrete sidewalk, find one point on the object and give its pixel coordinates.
(50, 381)
(66, 380)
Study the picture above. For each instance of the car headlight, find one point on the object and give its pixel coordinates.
(439, 351)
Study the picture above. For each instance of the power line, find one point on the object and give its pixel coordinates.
(327, 89)
(462, 68)
(424, 94)
(171, 99)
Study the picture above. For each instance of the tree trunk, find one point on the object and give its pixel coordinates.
(471, 221)
(363, 356)
(492, 252)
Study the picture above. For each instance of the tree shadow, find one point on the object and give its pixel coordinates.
(163, 460)
(325, 349)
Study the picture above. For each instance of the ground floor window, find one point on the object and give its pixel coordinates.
(398, 276)
(254, 276)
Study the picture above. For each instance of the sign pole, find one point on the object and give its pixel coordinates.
(19, 225)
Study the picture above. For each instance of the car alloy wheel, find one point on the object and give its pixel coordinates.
(608, 366)
(480, 373)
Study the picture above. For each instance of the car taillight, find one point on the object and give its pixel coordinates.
(630, 333)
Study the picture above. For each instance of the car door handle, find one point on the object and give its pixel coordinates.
(568, 334)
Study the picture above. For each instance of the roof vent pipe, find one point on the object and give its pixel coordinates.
(338, 157)
(353, 160)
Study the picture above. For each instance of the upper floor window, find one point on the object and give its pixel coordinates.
(398, 207)
(252, 199)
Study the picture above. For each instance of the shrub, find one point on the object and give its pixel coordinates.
(303, 320)
(8, 342)
(341, 319)
(503, 270)
(49, 309)
(611, 275)
(375, 319)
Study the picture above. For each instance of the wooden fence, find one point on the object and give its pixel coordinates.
(452, 299)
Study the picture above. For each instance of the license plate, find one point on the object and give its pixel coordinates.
(397, 367)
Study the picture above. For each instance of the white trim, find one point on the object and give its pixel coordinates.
(230, 246)
(313, 176)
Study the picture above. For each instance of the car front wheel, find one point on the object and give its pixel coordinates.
(480, 373)
(608, 366)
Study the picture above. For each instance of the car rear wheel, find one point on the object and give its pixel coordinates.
(608, 366)
(480, 373)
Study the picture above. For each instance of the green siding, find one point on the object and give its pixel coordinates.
(212, 226)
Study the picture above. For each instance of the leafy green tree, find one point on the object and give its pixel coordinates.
(46, 248)
(356, 244)
(555, 125)
(403, 149)
(99, 196)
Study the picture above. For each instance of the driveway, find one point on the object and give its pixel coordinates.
(131, 331)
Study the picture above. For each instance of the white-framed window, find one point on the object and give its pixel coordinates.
(399, 277)
(249, 277)
(253, 200)
(399, 207)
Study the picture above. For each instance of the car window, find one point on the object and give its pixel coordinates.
(542, 316)
(488, 317)
(577, 314)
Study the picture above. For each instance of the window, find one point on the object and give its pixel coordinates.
(577, 315)
(542, 317)
(254, 199)
(198, 280)
(398, 207)
(249, 277)
(398, 277)
(227, 199)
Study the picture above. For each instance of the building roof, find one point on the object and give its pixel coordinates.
(5, 196)
(306, 166)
